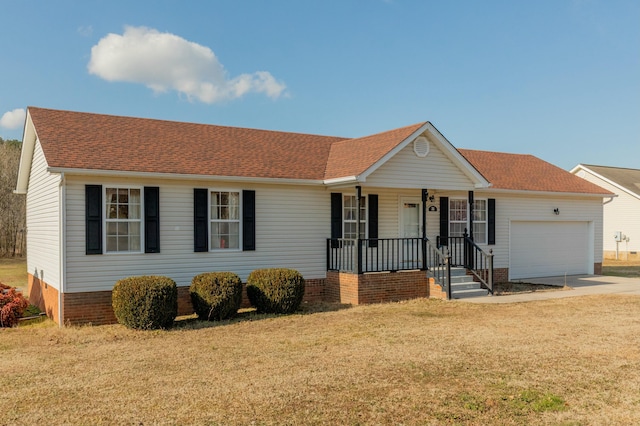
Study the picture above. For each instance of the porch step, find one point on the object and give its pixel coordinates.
(463, 285)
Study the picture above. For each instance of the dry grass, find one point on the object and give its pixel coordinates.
(13, 272)
(566, 361)
(621, 268)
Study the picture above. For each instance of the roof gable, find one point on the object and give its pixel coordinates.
(624, 178)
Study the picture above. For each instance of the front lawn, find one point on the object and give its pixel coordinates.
(566, 361)
(621, 268)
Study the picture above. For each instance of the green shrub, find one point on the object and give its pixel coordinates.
(216, 295)
(146, 302)
(275, 290)
(12, 306)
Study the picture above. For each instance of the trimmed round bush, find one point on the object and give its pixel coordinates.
(275, 290)
(145, 302)
(216, 295)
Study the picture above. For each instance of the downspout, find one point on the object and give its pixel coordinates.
(358, 225)
(62, 241)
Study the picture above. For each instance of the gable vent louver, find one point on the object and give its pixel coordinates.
(421, 146)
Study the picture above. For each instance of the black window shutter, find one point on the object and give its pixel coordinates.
(491, 217)
(151, 219)
(200, 225)
(336, 218)
(373, 220)
(248, 220)
(93, 218)
(444, 221)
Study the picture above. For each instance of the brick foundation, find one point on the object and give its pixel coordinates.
(597, 268)
(42, 295)
(500, 275)
(379, 287)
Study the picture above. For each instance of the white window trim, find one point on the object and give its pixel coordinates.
(366, 215)
(210, 220)
(484, 223)
(105, 220)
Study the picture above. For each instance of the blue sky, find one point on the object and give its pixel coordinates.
(559, 79)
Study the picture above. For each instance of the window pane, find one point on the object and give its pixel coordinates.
(112, 228)
(123, 196)
(234, 204)
(479, 234)
(123, 243)
(134, 242)
(112, 243)
(123, 211)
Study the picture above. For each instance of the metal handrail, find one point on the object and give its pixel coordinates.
(439, 265)
(466, 253)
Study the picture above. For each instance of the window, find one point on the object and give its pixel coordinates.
(225, 220)
(459, 219)
(350, 218)
(480, 221)
(123, 219)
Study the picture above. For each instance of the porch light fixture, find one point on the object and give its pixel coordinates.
(556, 211)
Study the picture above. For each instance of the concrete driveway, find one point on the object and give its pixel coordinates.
(580, 285)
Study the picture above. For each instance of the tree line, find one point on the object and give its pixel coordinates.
(12, 206)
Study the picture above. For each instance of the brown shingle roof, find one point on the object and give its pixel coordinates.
(526, 172)
(102, 142)
(352, 157)
(77, 140)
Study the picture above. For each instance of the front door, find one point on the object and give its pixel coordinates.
(411, 231)
(410, 214)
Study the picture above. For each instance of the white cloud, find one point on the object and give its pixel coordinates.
(13, 119)
(164, 62)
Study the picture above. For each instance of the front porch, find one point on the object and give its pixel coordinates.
(373, 270)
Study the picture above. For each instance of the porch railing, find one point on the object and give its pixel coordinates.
(374, 254)
(466, 253)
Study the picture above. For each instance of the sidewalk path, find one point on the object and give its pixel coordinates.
(580, 285)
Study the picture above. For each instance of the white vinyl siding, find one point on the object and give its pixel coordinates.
(43, 221)
(621, 214)
(292, 224)
(407, 170)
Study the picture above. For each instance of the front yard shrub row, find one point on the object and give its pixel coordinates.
(12, 306)
(151, 302)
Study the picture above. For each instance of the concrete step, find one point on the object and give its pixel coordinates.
(464, 285)
(463, 294)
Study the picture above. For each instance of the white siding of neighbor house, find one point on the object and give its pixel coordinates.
(292, 224)
(43, 221)
(622, 214)
(407, 170)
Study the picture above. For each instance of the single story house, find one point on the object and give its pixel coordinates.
(368, 219)
(621, 216)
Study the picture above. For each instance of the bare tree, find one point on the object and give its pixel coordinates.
(12, 206)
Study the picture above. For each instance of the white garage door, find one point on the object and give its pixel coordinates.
(545, 249)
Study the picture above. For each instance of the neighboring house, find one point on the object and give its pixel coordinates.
(621, 229)
(110, 197)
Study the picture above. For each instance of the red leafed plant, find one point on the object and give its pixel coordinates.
(12, 305)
